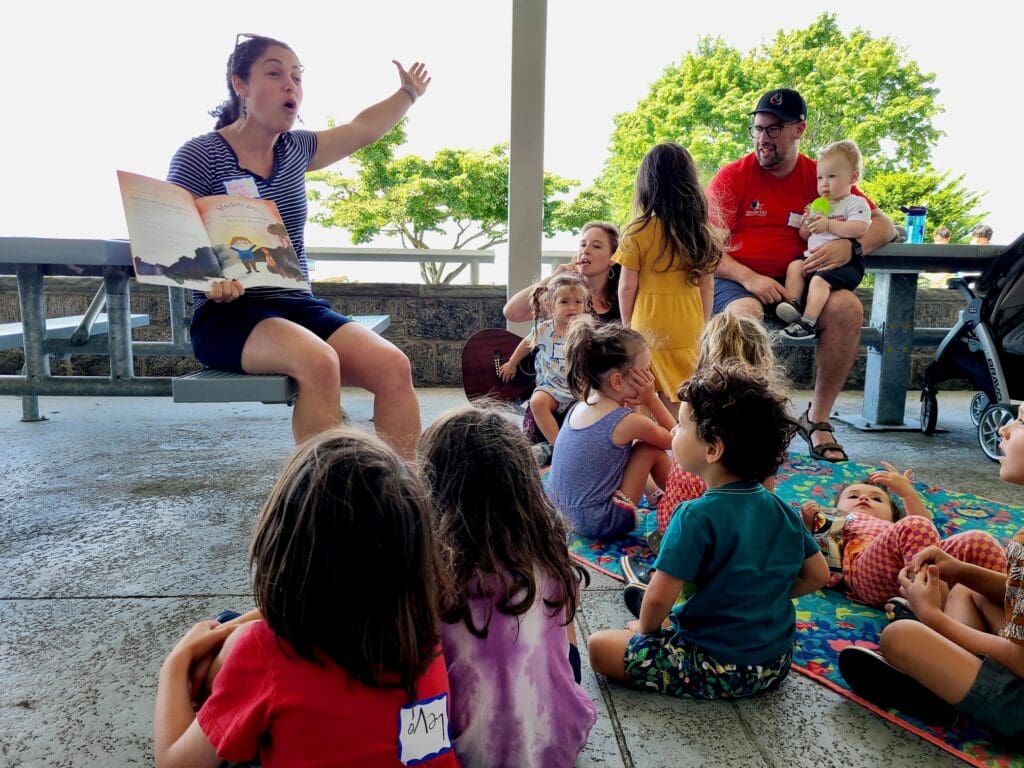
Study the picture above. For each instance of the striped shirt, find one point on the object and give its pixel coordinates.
(203, 165)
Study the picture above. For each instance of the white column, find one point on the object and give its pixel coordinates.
(526, 151)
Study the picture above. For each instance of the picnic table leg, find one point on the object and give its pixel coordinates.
(33, 319)
(119, 333)
(888, 367)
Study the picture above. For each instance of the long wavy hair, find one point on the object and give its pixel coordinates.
(668, 189)
(499, 529)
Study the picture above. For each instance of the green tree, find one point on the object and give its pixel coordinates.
(857, 87)
(459, 193)
(949, 202)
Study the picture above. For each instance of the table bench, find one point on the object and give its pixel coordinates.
(213, 386)
(12, 335)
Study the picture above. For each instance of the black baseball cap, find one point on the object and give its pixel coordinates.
(785, 103)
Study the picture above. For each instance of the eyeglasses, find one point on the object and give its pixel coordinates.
(773, 131)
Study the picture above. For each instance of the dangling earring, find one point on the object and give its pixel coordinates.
(303, 122)
(245, 110)
(611, 273)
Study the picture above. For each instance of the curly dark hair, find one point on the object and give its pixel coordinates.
(346, 506)
(240, 62)
(498, 527)
(738, 405)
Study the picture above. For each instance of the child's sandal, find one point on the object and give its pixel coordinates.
(898, 609)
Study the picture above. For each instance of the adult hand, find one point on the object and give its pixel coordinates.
(948, 567)
(834, 253)
(416, 76)
(767, 290)
(923, 592)
(225, 291)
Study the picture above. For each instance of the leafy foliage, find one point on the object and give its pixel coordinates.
(460, 191)
(857, 87)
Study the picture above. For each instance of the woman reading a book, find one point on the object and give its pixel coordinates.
(254, 152)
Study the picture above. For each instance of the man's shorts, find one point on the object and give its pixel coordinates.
(668, 663)
(996, 700)
(728, 291)
(219, 331)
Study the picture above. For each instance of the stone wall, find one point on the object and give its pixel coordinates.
(429, 323)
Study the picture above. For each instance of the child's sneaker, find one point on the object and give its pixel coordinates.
(633, 572)
(875, 679)
(788, 311)
(799, 330)
(633, 597)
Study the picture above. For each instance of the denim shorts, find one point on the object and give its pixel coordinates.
(996, 700)
(728, 291)
(219, 331)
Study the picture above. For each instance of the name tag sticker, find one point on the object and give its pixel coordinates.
(241, 186)
(795, 219)
(423, 730)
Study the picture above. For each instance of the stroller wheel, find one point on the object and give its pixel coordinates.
(992, 420)
(929, 411)
(978, 405)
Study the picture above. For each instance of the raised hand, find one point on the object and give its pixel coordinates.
(416, 76)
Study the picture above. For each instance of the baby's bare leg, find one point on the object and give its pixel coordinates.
(795, 280)
(817, 295)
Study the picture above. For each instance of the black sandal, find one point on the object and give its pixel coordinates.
(818, 451)
(898, 609)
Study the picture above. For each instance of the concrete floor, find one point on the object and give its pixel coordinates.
(125, 521)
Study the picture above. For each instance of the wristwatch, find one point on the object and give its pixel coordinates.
(858, 251)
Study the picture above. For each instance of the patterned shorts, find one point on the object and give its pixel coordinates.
(667, 663)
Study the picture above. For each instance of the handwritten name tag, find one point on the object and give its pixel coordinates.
(242, 186)
(423, 730)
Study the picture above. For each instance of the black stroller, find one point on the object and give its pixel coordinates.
(986, 346)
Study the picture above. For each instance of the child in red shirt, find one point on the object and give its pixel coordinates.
(330, 671)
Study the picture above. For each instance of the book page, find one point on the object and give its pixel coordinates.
(169, 243)
(251, 242)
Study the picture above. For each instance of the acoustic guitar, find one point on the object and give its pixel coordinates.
(485, 352)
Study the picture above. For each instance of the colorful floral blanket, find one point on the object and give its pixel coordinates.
(827, 621)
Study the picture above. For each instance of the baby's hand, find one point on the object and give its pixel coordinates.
(808, 511)
(817, 224)
(899, 483)
(507, 371)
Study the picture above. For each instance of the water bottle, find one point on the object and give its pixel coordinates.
(915, 222)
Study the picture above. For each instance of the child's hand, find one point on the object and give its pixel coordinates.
(507, 371)
(197, 649)
(947, 565)
(891, 478)
(923, 592)
(817, 224)
(808, 511)
(643, 383)
(634, 626)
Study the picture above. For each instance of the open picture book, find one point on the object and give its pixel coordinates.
(180, 240)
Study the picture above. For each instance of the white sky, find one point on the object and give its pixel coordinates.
(93, 87)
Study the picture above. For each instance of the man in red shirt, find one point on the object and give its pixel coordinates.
(756, 196)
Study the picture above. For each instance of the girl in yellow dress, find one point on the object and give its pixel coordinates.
(668, 254)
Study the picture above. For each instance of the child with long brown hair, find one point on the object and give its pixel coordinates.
(669, 253)
(324, 673)
(564, 298)
(609, 445)
(508, 631)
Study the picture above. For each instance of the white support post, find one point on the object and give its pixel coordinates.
(526, 150)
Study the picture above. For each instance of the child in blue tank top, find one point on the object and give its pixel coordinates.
(609, 444)
(744, 550)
